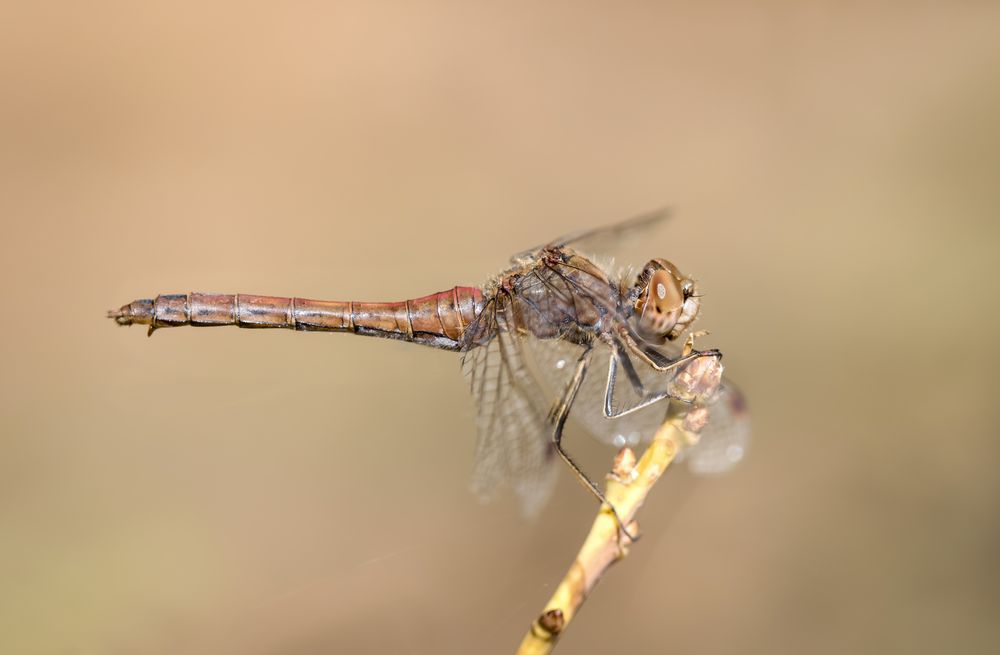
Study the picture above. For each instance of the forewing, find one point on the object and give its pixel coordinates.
(632, 428)
(725, 438)
(723, 441)
(607, 241)
(607, 236)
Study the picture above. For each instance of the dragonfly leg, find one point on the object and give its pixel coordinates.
(689, 342)
(663, 366)
(558, 417)
(660, 363)
(609, 394)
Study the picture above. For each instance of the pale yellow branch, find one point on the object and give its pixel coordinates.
(627, 487)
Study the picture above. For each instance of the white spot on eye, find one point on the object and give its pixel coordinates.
(734, 453)
(561, 364)
(619, 440)
(661, 291)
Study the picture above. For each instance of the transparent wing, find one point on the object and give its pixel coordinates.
(726, 437)
(608, 235)
(520, 354)
(723, 442)
(513, 446)
(607, 241)
(630, 429)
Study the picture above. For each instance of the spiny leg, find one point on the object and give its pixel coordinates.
(558, 415)
(658, 361)
(609, 393)
(661, 363)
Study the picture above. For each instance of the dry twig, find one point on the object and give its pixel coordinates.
(627, 486)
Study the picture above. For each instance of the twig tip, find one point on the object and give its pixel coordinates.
(624, 464)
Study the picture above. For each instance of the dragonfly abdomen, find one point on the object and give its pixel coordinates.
(437, 320)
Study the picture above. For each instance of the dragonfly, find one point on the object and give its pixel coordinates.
(560, 333)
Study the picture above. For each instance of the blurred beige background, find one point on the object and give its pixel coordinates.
(834, 172)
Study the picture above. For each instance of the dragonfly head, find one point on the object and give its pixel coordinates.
(666, 302)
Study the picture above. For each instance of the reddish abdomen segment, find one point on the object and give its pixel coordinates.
(437, 320)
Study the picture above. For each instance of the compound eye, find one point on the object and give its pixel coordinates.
(660, 306)
(665, 292)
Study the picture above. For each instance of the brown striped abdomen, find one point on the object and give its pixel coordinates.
(437, 320)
